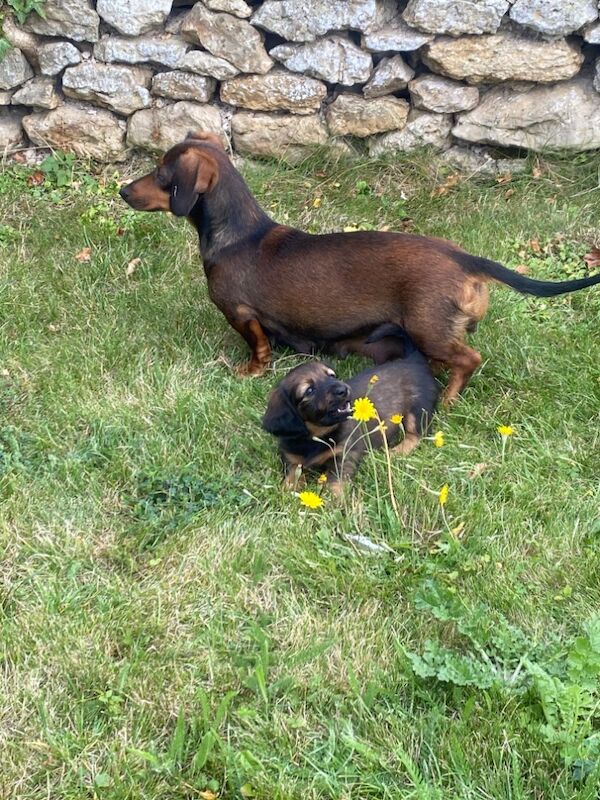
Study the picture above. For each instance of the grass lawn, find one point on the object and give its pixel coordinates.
(174, 625)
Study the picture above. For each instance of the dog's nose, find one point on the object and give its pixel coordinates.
(341, 390)
(124, 192)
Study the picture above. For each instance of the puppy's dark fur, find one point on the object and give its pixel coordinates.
(309, 412)
(274, 283)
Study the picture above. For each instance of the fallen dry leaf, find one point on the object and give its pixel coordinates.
(450, 182)
(132, 266)
(477, 470)
(508, 194)
(592, 259)
(439, 191)
(537, 172)
(36, 178)
(53, 328)
(207, 795)
(535, 245)
(522, 269)
(506, 178)
(19, 158)
(84, 255)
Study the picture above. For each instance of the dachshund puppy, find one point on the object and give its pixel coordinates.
(310, 413)
(268, 279)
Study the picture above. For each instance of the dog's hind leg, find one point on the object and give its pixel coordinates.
(462, 362)
(411, 436)
(439, 331)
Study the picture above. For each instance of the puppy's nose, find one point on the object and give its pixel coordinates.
(125, 192)
(341, 390)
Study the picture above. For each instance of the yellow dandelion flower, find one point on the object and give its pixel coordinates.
(443, 495)
(317, 202)
(322, 478)
(373, 378)
(310, 499)
(438, 439)
(397, 419)
(364, 410)
(505, 430)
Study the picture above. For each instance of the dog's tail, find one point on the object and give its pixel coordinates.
(498, 272)
(391, 329)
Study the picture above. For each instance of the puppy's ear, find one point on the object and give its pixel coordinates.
(282, 417)
(194, 174)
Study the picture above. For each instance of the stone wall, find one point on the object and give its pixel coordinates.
(275, 77)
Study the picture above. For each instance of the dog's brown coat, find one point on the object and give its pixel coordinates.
(276, 283)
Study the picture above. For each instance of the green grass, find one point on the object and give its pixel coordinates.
(174, 626)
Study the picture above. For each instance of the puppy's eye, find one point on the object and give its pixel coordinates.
(310, 390)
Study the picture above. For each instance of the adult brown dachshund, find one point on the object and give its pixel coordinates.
(329, 291)
(310, 413)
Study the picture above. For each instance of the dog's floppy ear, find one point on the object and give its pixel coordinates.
(281, 417)
(194, 174)
(206, 136)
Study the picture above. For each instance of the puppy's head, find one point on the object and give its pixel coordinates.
(309, 398)
(186, 171)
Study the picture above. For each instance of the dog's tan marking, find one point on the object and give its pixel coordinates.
(411, 437)
(320, 431)
(302, 387)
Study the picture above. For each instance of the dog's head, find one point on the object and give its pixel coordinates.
(310, 400)
(186, 171)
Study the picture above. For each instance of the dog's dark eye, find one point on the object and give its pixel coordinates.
(310, 390)
(161, 180)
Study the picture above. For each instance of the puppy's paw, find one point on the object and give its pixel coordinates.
(336, 487)
(294, 479)
(407, 445)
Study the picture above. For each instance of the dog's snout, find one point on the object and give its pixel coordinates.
(125, 191)
(341, 390)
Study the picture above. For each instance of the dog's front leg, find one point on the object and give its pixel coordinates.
(293, 477)
(251, 329)
(335, 485)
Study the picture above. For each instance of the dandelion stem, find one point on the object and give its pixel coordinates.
(388, 464)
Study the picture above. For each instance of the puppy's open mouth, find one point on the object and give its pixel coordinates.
(345, 409)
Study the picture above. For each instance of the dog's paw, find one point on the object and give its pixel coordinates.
(449, 399)
(336, 487)
(294, 479)
(250, 370)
